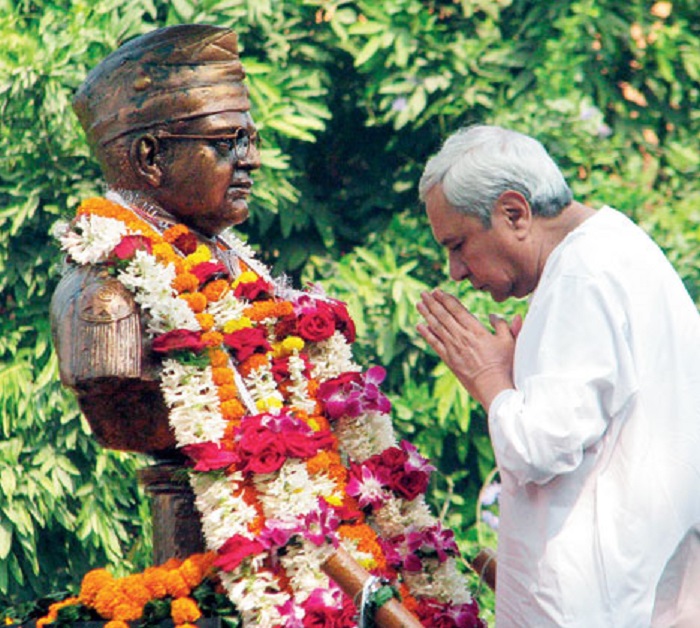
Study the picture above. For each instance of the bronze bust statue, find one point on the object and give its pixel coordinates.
(167, 116)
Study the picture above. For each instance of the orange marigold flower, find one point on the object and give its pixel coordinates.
(312, 386)
(212, 338)
(191, 572)
(196, 300)
(116, 623)
(107, 600)
(253, 363)
(172, 563)
(93, 582)
(232, 409)
(127, 611)
(227, 392)
(260, 310)
(154, 581)
(216, 289)
(184, 609)
(41, 623)
(318, 463)
(206, 321)
(222, 376)
(134, 588)
(176, 585)
(256, 526)
(218, 357)
(173, 233)
(185, 282)
(366, 539)
(319, 422)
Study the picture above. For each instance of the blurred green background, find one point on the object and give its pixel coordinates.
(351, 98)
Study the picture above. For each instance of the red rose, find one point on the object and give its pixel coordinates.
(178, 340)
(409, 484)
(129, 244)
(286, 326)
(269, 456)
(246, 342)
(318, 324)
(235, 550)
(186, 243)
(300, 445)
(393, 458)
(208, 270)
(253, 289)
(344, 324)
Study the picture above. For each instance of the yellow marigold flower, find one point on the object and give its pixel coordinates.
(247, 276)
(164, 252)
(216, 289)
(292, 344)
(232, 409)
(93, 582)
(222, 376)
(184, 610)
(201, 255)
(242, 323)
(269, 403)
(185, 282)
(196, 300)
(206, 321)
(334, 500)
(212, 338)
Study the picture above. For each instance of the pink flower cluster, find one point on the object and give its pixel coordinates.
(406, 551)
(353, 394)
(401, 470)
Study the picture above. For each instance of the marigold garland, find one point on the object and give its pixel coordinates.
(264, 421)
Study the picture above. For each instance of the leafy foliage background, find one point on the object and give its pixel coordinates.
(352, 97)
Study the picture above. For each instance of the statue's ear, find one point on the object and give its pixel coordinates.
(144, 154)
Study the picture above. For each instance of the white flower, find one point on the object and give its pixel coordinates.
(256, 596)
(331, 357)
(303, 567)
(396, 515)
(92, 238)
(364, 436)
(190, 393)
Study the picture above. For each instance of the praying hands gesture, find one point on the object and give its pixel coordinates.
(480, 359)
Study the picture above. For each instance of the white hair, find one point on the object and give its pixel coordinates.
(479, 163)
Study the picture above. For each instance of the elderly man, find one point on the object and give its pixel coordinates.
(593, 401)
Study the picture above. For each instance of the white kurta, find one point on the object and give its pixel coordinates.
(599, 443)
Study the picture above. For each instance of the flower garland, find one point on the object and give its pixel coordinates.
(120, 600)
(292, 448)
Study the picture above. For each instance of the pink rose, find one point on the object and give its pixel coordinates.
(209, 456)
(129, 244)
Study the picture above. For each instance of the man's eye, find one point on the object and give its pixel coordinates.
(226, 144)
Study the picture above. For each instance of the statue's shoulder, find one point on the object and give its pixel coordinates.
(97, 327)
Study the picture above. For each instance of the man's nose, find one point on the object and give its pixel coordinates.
(252, 159)
(458, 269)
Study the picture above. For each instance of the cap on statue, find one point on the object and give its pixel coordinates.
(173, 73)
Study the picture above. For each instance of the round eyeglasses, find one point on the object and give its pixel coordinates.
(238, 143)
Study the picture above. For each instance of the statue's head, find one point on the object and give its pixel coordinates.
(167, 115)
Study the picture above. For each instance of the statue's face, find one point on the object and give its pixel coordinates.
(206, 164)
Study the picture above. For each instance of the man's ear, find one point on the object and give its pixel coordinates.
(144, 155)
(512, 207)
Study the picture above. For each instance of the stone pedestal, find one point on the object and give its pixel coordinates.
(177, 532)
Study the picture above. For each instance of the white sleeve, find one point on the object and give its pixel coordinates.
(573, 374)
